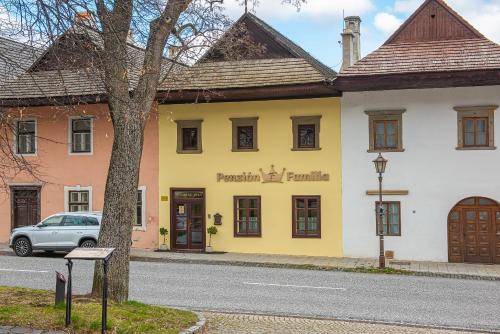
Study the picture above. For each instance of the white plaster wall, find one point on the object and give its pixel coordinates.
(435, 173)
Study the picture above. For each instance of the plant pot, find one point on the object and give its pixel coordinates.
(209, 249)
(163, 247)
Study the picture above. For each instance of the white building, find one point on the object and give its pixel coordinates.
(426, 100)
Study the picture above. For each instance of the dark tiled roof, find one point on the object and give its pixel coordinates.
(244, 74)
(15, 58)
(436, 56)
(278, 46)
(434, 39)
(47, 84)
(67, 82)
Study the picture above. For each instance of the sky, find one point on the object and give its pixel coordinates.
(318, 24)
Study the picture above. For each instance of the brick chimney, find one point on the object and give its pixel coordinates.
(351, 44)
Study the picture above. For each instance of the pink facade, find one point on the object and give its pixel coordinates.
(62, 171)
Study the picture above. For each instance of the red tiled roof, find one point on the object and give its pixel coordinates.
(435, 56)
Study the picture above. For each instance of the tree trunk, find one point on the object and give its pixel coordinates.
(120, 205)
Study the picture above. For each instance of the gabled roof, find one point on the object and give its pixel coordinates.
(15, 58)
(70, 67)
(250, 61)
(434, 20)
(261, 35)
(435, 42)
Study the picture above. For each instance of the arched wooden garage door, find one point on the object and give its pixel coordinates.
(474, 231)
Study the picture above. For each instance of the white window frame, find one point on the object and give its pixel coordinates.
(16, 121)
(70, 135)
(76, 188)
(142, 227)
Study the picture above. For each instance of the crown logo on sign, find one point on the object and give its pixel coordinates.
(273, 176)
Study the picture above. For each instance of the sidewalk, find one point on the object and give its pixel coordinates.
(419, 268)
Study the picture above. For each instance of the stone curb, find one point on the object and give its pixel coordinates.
(199, 328)
(352, 320)
(365, 270)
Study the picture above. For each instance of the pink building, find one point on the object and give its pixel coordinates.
(61, 126)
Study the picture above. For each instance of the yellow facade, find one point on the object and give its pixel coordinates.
(274, 148)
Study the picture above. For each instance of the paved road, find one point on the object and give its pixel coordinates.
(401, 299)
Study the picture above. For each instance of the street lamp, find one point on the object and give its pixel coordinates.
(380, 164)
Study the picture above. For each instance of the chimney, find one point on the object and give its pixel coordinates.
(85, 19)
(173, 52)
(351, 44)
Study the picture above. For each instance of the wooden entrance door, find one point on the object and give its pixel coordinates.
(188, 219)
(25, 206)
(473, 225)
(477, 235)
(496, 238)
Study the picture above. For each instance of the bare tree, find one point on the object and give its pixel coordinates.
(157, 25)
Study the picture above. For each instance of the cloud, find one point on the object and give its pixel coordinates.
(387, 23)
(313, 9)
(406, 6)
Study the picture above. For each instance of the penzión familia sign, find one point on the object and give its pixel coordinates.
(274, 177)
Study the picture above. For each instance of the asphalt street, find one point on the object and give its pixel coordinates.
(443, 302)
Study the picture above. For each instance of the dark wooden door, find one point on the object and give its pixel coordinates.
(188, 220)
(477, 235)
(496, 238)
(474, 231)
(25, 207)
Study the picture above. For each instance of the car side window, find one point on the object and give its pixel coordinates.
(90, 221)
(73, 221)
(53, 221)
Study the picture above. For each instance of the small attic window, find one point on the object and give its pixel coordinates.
(433, 16)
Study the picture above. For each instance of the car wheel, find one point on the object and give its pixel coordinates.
(22, 247)
(88, 244)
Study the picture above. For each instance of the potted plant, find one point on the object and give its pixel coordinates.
(212, 230)
(164, 233)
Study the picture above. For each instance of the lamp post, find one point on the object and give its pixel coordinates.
(380, 164)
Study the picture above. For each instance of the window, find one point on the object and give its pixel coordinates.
(244, 134)
(81, 135)
(476, 127)
(247, 218)
(26, 137)
(78, 201)
(385, 130)
(74, 221)
(306, 216)
(91, 221)
(391, 218)
(53, 221)
(305, 133)
(386, 134)
(140, 221)
(307, 136)
(189, 136)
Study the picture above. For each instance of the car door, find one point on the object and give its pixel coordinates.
(45, 234)
(92, 227)
(71, 231)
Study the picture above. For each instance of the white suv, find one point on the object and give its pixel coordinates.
(59, 232)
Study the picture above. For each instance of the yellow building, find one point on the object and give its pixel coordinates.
(252, 146)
